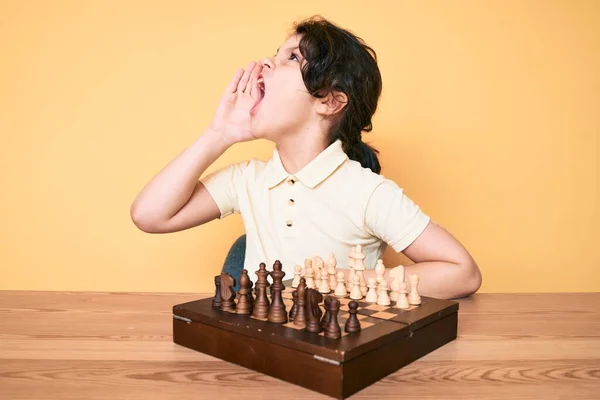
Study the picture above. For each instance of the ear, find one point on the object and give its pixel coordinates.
(331, 104)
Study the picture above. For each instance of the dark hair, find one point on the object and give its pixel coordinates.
(339, 61)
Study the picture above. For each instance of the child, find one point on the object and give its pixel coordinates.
(321, 191)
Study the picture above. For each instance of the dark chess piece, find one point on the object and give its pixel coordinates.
(300, 317)
(326, 317)
(217, 298)
(313, 310)
(261, 304)
(353, 323)
(333, 330)
(294, 308)
(227, 292)
(244, 305)
(277, 313)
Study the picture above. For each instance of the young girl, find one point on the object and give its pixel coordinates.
(321, 191)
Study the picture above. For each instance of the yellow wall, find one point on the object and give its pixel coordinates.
(489, 119)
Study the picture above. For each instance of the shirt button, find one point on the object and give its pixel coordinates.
(289, 223)
(291, 202)
(291, 181)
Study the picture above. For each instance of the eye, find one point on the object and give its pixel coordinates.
(294, 56)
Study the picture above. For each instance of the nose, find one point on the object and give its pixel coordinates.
(268, 63)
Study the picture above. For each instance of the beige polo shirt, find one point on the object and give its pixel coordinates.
(329, 206)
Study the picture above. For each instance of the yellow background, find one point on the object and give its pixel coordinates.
(489, 119)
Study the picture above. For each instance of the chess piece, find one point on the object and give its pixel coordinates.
(297, 273)
(350, 277)
(414, 298)
(331, 265)
(227, 292)
(359, 268)
(324, 286)
(379, 271)
(395, 293)
(327, 315)
(277, 313)
(402, 302)
(355, 293)
(244, 304)
(332, 329)
(260, 309)
(383, 299)
(216, 303)
(372, 293)
(397, 274)
(340, 289)
(300, 317)
(309, 274)
(353, 324)
(313, 310)
(294, 308)
(316, 266)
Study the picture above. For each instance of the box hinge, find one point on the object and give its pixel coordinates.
(327, 360)
(187, 320)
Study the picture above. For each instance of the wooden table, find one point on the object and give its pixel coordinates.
(119, 346)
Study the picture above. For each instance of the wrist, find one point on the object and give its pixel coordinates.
(217, 138)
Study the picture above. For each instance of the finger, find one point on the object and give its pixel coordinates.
(254, 80)
(245, 78)
(233, 83)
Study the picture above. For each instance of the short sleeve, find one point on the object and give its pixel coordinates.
(223, 186)
(393, 217)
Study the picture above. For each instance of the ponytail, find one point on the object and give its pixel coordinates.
(365, 154)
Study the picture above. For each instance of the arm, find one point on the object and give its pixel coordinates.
(175, 199)
(445, 268)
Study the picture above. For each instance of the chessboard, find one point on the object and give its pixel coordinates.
(389, 337)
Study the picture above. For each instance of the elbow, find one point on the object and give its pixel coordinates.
(143, 219)
(471, 279)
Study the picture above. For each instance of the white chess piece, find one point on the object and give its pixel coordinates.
(414, 298)
(324, 286)
(372, 293)
(297, 272)
(340, 289)
(402, 298)
(316, 268)
(383, 299)
(397, 274)
(356, 294)
(310, 283)
(395, 293)
(349, 278)
(359, 267)
(331, 264)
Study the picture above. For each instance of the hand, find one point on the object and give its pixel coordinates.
(232, 118)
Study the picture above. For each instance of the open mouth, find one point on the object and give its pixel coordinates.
(261, 93)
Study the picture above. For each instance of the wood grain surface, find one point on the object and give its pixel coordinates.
(119, 346)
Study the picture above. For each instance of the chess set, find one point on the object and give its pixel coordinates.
(327, 331)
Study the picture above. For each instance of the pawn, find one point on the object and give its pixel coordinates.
(297, 276)
(333, 329)
(327, 315)
(414, 298)
(395, 293)
(352, 324)
(340, 289)
(355, 293)
(372, 293)
(383, 299)
(310, 283)
(402, 302)
(294, 309)
(324, 284)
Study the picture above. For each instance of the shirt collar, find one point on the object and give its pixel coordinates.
(313, 173)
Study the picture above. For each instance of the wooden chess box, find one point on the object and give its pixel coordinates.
(391, 338)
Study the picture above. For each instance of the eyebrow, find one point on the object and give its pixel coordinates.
(291, 49)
